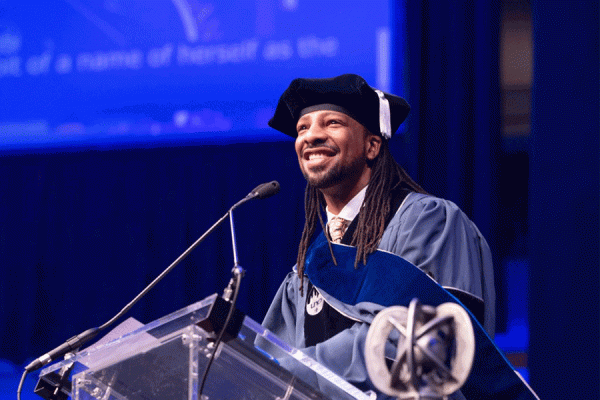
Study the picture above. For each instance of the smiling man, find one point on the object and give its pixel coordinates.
(342, 127)
(334, 151)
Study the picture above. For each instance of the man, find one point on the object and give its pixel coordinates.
(342, 127)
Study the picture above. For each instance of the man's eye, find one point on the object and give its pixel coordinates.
(333, 122)
(301, 128)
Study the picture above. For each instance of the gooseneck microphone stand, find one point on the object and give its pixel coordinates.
(263, 191)
(232, 289)
(71, 345)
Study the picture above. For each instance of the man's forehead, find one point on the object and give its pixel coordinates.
(326, 113)
(312, 112)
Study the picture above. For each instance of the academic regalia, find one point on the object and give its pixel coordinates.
(425, 231)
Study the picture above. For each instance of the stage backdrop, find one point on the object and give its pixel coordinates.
(126, 132)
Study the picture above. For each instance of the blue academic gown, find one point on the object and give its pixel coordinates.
(432, 234)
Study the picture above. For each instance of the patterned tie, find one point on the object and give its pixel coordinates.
(337, 227)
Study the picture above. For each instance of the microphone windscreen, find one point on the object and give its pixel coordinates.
(266, 190)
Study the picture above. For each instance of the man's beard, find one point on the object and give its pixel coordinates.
(321, 179)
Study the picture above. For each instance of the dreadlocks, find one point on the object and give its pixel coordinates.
(386, 176)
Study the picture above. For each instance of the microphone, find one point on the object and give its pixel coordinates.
(265, 190)
(260, 192)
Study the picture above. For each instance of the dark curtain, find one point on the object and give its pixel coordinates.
(564, 201)
(82, 233)
(454, 133)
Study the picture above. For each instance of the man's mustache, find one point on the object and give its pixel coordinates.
(321, 146)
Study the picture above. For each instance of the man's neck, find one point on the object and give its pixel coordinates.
(335, 203)
(336, 197)
(351, 209)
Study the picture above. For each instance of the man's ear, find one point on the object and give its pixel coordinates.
(373, 146)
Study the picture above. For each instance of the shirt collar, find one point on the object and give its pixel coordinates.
(351, 209)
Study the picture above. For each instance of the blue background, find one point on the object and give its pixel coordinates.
(105, 72)
(107, 175)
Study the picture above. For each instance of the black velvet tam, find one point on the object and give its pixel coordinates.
(350, 92)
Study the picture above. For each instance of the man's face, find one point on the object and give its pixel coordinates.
(333, 149)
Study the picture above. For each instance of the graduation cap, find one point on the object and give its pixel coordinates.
(350, 94)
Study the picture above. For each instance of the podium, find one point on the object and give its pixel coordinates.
(166, 359)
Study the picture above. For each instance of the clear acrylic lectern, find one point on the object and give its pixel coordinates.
(166, 360)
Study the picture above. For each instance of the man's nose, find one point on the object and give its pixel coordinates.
(315, 135)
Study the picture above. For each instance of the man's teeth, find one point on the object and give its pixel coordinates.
(316, 156)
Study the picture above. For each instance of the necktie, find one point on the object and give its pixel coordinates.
(337, 227)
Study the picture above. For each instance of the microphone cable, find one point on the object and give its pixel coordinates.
(237, 275)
